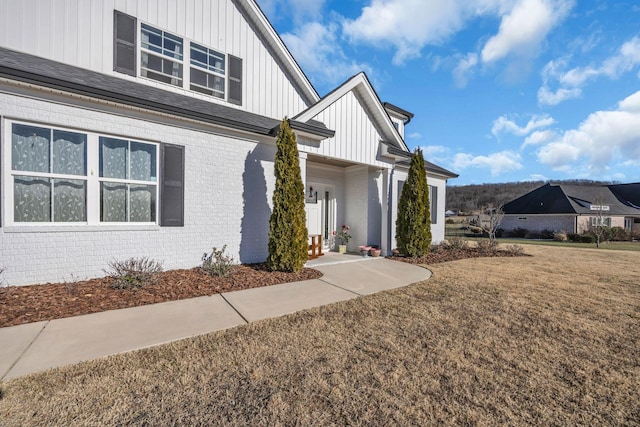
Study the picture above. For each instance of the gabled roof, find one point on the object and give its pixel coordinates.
(430, 167)
(361, 87)
(42, 72)
(254, 16)
(571, 199)
(399, 111)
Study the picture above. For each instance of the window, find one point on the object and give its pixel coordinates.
(433, 203)
(49, 169)
(207, 71)
(62, 176)
(127, 181)
(161, 56)
(600, 221)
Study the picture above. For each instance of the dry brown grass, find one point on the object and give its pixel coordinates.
(551, 339)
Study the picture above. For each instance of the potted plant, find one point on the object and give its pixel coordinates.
(344, 236)
(364, 250)
(375, 251)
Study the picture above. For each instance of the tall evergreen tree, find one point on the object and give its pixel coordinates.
(288, 237)
(413, 226)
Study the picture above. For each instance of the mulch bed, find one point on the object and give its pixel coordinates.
(453, 254)
(26, 304)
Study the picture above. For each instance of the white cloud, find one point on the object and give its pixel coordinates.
(464, 69)
(410, 25)
(547, 97)
(317, 50)
(524, 27)
(539, 137)
(504, 125)
(537, 177)
(436, 153)
(414, 135)
(571, 81)
(604, 138)
(497, 163)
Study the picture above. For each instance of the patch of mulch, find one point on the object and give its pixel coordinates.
(26, 304)
(454, 254)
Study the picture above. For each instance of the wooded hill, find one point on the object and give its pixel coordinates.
(469, 198)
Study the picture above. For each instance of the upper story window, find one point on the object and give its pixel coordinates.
(51, 177)
(208, 71)
(163, 57)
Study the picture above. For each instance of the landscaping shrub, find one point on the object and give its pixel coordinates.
(516, 232)
(587, 238)
(532, 235)
(514, 250)
(487, 246)
(618, 234)
(450, 221)
(455, 243)
(573, 237)
(413, 226)
(133, 272)
(288, 245)
(475, 230)
(500, 232)
(217, 263)
(546, 234)
(560, 236)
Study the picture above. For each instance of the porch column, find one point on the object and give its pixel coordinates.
(386, 210)
(302, 157)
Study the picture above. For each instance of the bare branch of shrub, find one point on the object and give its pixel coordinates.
(217, 263)
(133, 272)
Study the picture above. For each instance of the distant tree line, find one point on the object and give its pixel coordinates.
(470, 198)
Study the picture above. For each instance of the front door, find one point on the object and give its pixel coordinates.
(320, 210)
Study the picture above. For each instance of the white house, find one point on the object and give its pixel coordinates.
(147, 128)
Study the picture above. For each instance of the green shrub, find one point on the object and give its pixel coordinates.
(475, 230)
(217, 263)
(587, 238)
(532, 235)
(573, 237)
(133, 272)
(618, 234)
(413, 226)
(546, 234)
(288, 237)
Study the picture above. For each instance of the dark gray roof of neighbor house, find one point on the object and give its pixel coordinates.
(628, 194)
(570, 199)
(55, 75)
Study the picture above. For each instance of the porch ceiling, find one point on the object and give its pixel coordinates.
(329, 161)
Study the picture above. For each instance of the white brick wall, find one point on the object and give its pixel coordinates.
(539, 223)
(227, 179)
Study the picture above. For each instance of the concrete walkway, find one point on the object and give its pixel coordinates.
(39, 346)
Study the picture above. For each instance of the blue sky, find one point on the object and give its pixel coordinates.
(502, 90)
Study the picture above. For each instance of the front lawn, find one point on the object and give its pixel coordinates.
(551, 339)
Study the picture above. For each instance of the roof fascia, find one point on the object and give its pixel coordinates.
(272, 38)
(360, 85)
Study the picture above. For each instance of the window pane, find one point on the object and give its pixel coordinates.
(69, 153)
(198, 55)
(30, 148)
(172, 46)
(198, 77)
(70, 200)
(113, 202)
(142, 203)
(151, 38)
(143, 161)
(113, 158)
(31, 199)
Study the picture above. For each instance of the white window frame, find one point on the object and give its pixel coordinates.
(604, 221)
(163, 55)
(209, 70)
(92, 178)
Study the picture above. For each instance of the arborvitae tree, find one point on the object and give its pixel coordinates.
(288, 245)
(413, 226)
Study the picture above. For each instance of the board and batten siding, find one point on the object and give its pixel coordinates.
(80, 33)
(356, 138)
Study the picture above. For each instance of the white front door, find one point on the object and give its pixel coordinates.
(320, 210)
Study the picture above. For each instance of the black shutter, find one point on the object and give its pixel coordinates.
(433, 203)
(172, 186)
(124, 43)
(235, 80)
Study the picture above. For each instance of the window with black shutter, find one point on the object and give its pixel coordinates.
(172, 186)
(235, 80)
(124, 45)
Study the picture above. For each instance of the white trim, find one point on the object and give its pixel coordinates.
(92, 178)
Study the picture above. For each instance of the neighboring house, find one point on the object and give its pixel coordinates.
(574, 208)
(143, 128)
